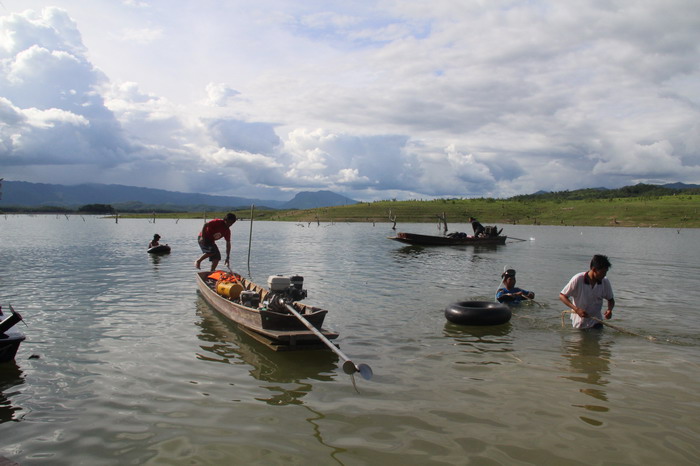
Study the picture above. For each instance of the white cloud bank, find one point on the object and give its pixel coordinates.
(373, 100)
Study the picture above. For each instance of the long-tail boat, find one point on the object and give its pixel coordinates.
(448, 240)
(263, 313)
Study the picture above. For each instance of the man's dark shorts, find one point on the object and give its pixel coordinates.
(209, 248)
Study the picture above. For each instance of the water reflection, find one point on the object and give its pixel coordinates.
(588, 353)
(476, 331)
(416, 250)
(156, 259)
(411, 250)
(11, 377)
(481, 339)
(225, 342)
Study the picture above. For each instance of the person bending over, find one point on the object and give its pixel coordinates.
(212, 231)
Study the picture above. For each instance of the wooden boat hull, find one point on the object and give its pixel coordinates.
(9, 344)
(279, 331)
(432, 240)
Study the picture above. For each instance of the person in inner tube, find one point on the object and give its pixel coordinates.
(154, 242)
(508, 293)
(212, 231)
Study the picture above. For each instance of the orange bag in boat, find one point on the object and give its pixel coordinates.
(220, 275)
(217, 275)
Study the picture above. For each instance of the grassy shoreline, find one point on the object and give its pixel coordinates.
(678, 211)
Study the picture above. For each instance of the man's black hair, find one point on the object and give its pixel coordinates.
(600, 262)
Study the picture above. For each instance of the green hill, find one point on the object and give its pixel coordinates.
(632, 206)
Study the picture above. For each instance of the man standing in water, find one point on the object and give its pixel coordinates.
(585, 292)
(212, 231)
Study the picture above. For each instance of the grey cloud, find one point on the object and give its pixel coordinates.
(63, 120)
(257, 138)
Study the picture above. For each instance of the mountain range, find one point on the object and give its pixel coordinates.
(18, 194)
(130, 198)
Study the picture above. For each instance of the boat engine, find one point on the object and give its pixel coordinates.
(296, 288)
(285, 290)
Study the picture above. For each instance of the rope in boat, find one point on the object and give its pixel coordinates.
(614, 327)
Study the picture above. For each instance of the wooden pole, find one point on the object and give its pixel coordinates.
(250, 236)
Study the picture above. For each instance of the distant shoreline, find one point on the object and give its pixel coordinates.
(677, 211)
(680, 211)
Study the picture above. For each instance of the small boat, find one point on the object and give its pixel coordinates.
(265, 314)
(454, 240)
(160, 249)
(10, 338)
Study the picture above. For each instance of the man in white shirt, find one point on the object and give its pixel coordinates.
(585, 293)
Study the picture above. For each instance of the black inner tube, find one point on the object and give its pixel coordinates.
(478, 313)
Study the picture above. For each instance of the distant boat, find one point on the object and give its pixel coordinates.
(160, 249)
(455, 240)
(10, 338)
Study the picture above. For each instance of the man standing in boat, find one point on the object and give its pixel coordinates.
(585, 292)
(212, 231)
(477, 227)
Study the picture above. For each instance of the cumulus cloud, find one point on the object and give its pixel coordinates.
(321, 158)
(642, 159)
(49, 87)
(50, 28)
(145, 117)
(219, 94)
(373, 100)
(239, 135)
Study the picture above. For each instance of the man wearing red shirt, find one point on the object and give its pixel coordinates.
(213, 230)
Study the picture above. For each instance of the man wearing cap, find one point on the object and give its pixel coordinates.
(508, 293)
(585, 293)
(212, 231)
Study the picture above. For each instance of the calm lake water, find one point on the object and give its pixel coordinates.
(134, 367)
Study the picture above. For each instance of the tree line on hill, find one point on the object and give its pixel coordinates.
(89, 209)
(638, 190)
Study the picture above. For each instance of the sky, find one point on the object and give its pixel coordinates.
(374, 100)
